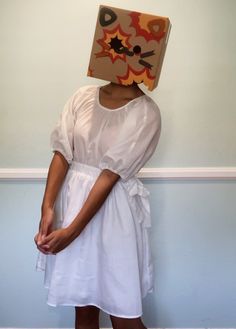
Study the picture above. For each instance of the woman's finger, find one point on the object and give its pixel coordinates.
(37, 239)
(50, 242)
(47, 239)
(56, 245)
(41, 247)
(43, 250)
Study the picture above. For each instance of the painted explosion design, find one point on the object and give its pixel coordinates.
(128, 47)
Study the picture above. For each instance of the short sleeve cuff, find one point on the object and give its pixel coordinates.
(103, 166)
(67, 158)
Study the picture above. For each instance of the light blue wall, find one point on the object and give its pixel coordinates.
(193, 245)
(45, 47)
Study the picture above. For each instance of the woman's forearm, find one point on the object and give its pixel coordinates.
(56, 174)
(95, 200)
(61, 238)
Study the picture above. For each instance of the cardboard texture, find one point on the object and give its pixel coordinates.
(128, 47)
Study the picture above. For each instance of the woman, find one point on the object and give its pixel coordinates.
(93, 233)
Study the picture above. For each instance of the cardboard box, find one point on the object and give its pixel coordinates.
(128, 46)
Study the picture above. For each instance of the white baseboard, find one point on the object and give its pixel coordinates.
(199, 173)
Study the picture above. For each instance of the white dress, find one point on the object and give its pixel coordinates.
(109, 264)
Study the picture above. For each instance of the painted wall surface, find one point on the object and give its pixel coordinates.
(193, 245)
(45, 47)
(45, 50)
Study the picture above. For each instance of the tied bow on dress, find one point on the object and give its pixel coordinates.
(139, 199)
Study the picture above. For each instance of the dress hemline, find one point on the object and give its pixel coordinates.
(101, 308)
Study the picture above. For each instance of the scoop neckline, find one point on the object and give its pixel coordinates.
(97, 96)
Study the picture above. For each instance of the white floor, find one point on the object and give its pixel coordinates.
(111, 328)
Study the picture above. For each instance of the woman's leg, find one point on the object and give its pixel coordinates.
(125, 323)
(87, 317)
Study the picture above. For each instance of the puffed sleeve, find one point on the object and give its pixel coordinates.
(136, 142)
(61, 138)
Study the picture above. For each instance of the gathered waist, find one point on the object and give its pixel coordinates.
(85, 168)
(136, 191)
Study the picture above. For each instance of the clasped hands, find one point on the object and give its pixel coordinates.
(51, 242)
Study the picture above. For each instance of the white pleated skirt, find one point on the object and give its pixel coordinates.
(109, 264)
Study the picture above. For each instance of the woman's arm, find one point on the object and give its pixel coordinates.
(59, 239)
(56, 174)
